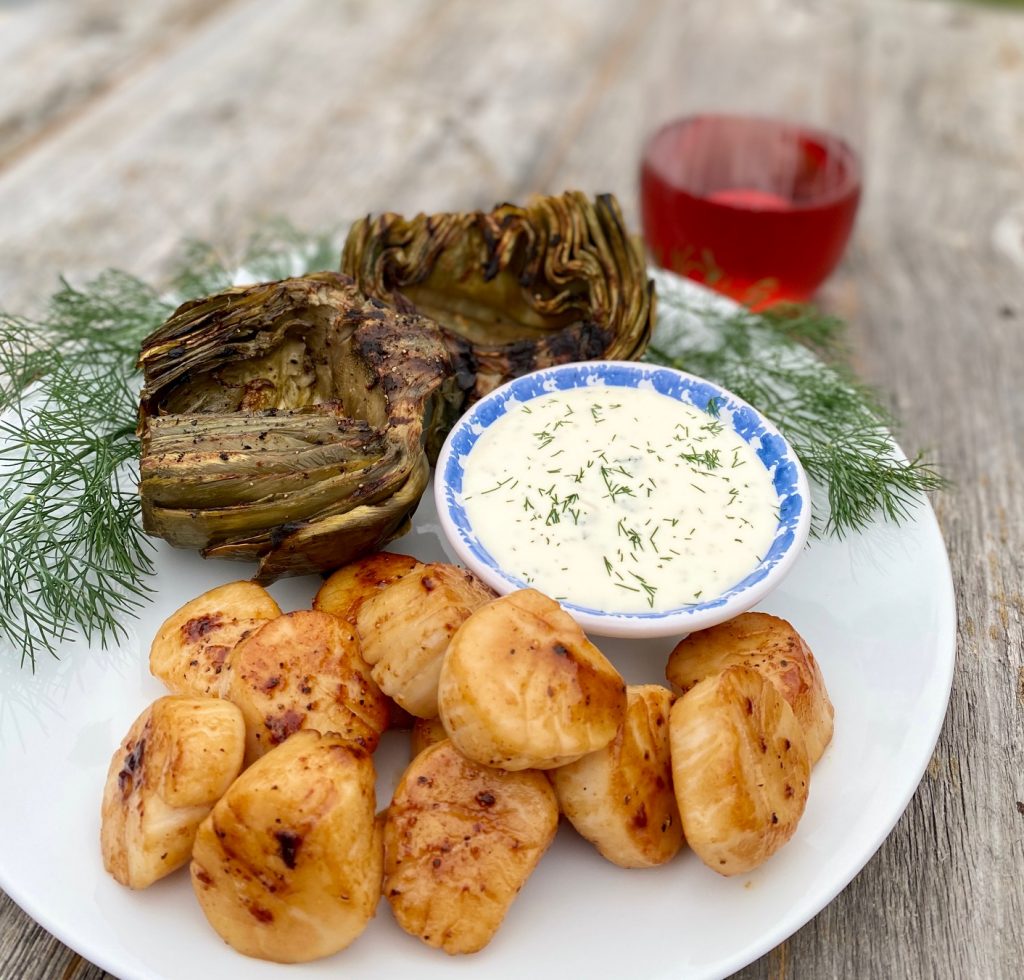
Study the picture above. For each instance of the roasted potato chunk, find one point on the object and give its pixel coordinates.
(620, 797)
(346, 590)
(303, 670)
(177, 760)
(288, 865)
(740, 769)
(774, 649)
(460, 840)
(349, 587)
(190, 652)
(522, 687)
(405, 631)
(426, 732)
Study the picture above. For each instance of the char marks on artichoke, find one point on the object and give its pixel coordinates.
(287, 422)
(292, 422)
(516, 288)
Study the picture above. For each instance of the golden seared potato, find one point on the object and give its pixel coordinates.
(740, 769)
(288, 865)
(620, 797)
(460, 840)
(345, 591)
(190, 650)
(177, 760)
(774, 649)
(522, 687)
(303, 670)
(426, 732)
(405, 630)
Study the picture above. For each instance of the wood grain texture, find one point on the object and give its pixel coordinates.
(58, 57)
(326, 110)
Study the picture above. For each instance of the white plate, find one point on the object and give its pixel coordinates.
(876, 609)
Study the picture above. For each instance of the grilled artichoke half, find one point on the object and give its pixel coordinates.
(515, 289)
(286, 423)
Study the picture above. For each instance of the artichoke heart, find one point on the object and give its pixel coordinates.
(288, 423)
(516, 288)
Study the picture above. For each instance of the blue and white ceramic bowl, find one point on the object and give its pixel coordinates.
(771, 448)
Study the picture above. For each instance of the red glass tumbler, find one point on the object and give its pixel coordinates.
(756, 208)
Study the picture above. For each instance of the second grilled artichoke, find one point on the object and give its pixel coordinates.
(286, 422)
(516, 288)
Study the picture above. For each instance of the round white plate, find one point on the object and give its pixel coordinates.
(877, 610)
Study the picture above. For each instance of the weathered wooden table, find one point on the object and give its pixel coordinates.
(126, 127)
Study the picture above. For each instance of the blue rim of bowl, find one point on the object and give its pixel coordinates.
(770, 446)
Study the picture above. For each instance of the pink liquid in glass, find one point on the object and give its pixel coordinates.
(758, 209)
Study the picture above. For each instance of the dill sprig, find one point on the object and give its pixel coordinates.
(837, 426)
(275, 251)
(73, 558)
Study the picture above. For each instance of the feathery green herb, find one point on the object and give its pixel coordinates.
(73, 557)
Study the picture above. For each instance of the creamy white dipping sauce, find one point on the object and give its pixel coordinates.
(619, 499)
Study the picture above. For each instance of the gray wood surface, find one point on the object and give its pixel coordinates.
(126, 127)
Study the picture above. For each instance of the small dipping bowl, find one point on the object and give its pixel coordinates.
(758, 209)
(771, 449)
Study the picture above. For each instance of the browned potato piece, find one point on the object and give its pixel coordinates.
(523, 688)
(177, 760)
(426, 732)
(303, 670)
(460, 840)
(190, 650)
(621, 797)
(773, 648)
(288, 865)
(406, 628)
(740, 768)
(345, 591)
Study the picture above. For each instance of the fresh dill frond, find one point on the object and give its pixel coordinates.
(201, 270)
(276, 251)
(109, 317)
(73, 557)
(837, 426)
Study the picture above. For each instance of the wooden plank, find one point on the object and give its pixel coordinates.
(57, 58)
(419, 106)
(707, 57)
(939, 306)
(27, 950)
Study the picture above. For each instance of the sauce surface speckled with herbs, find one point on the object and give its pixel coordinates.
(619, 499)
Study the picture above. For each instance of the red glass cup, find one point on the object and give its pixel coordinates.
(758, 209)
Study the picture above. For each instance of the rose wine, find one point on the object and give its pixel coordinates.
(757, 209)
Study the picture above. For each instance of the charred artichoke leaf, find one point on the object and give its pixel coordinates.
(516, 288)
(286, 423)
